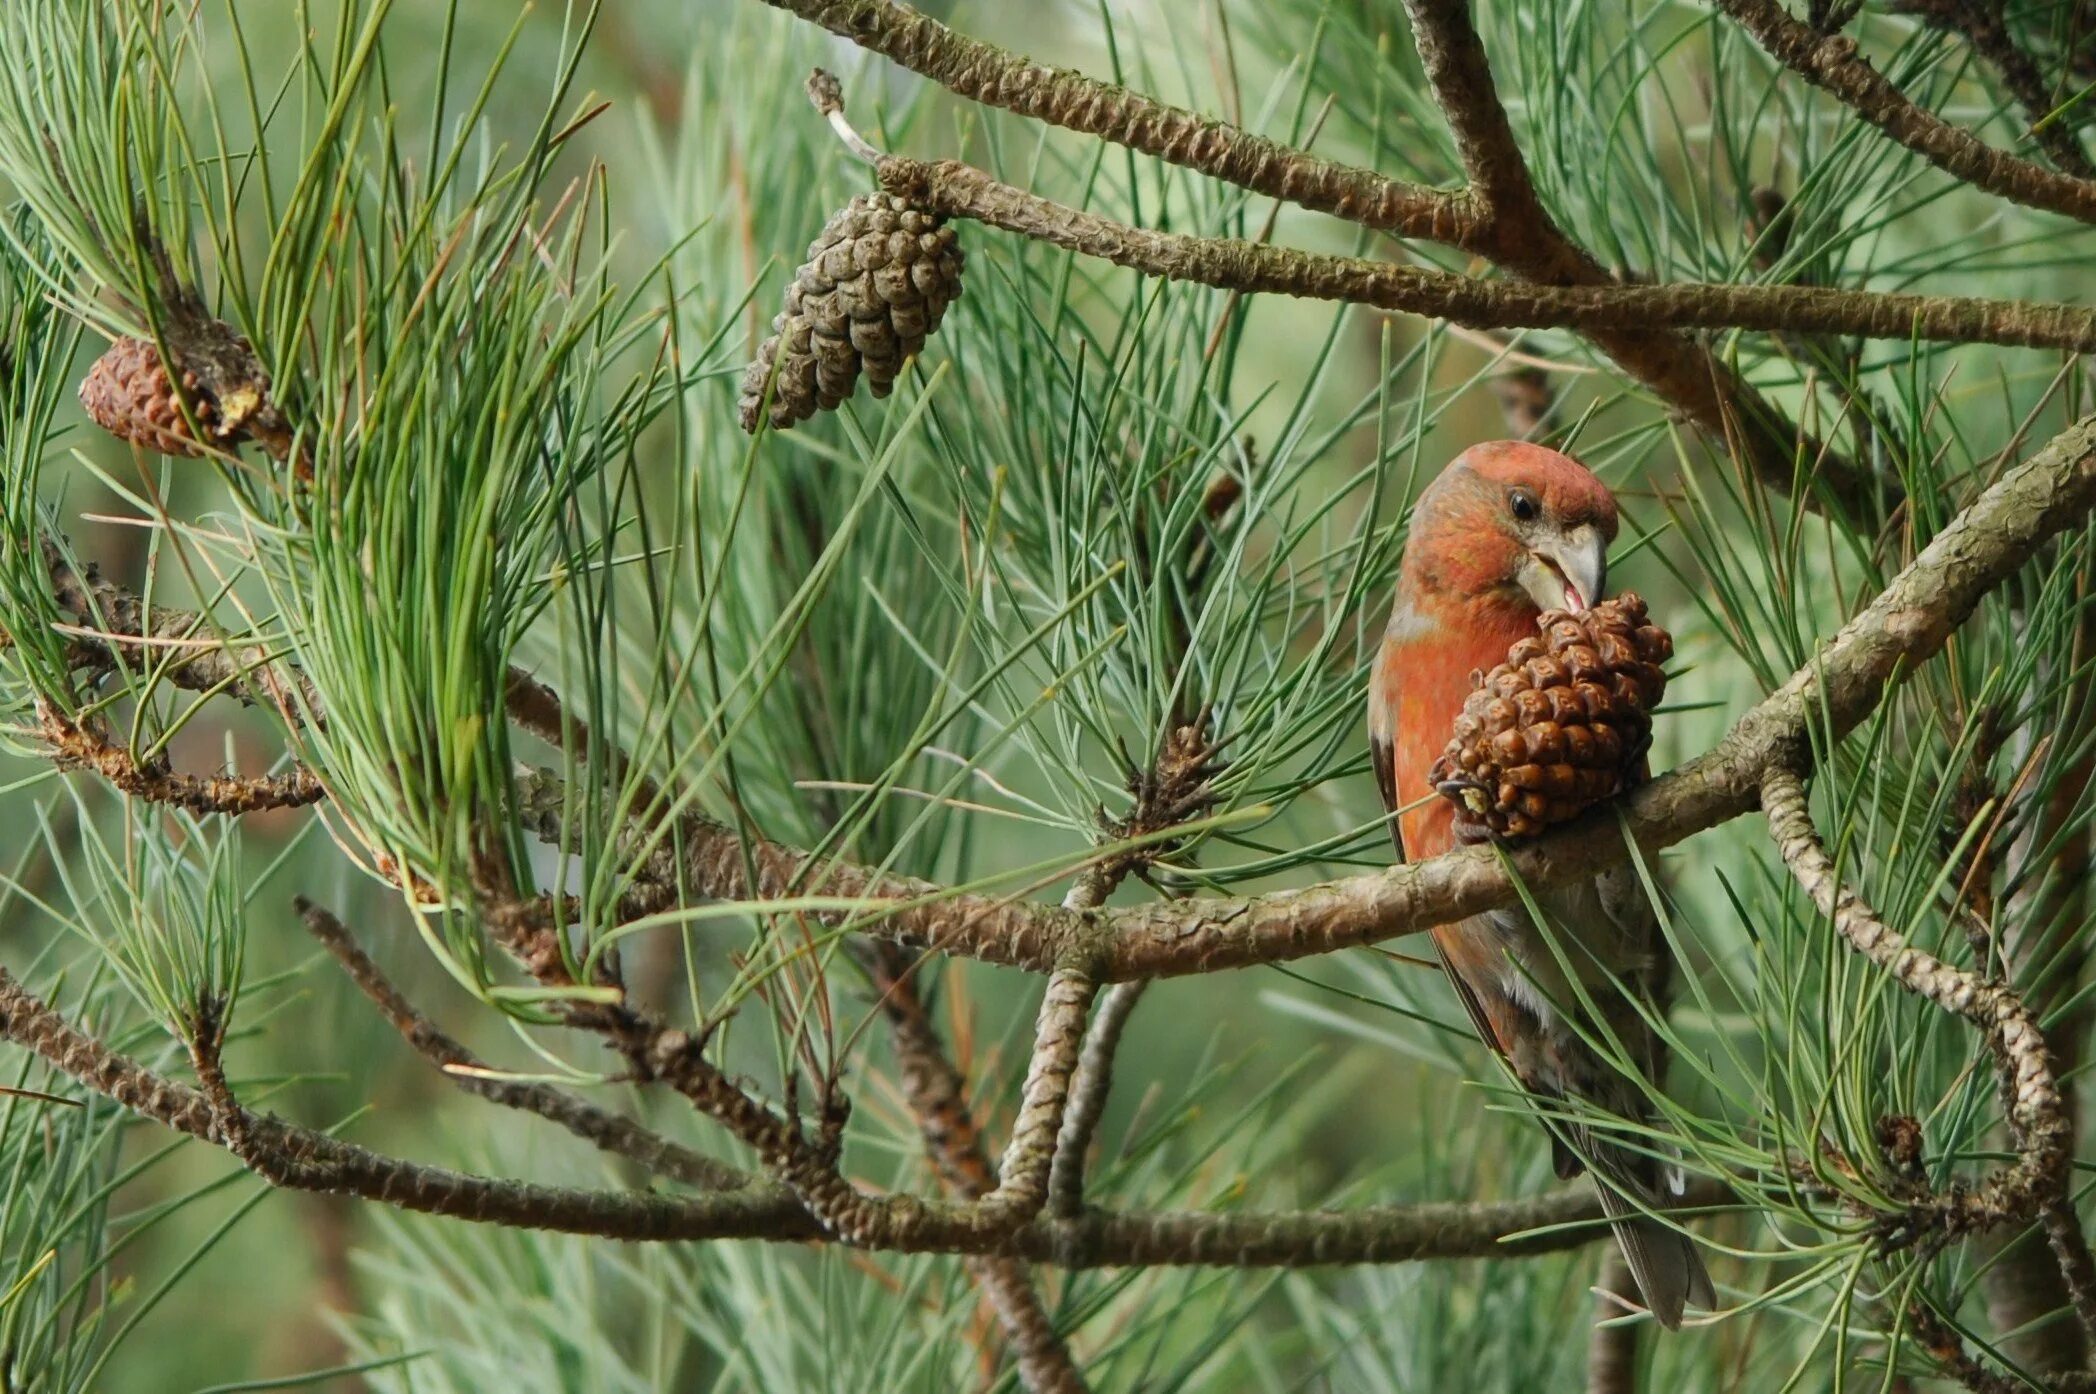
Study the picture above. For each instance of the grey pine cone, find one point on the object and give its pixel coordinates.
(876, 284)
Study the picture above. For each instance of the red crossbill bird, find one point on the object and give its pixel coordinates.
(1507, 531)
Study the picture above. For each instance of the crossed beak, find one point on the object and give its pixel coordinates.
(1570, 571)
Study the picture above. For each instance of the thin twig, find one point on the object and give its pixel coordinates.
(1088, 1094)
(301, 1159)
(937, 1095)
(1948, 1350)
(1830, 62)
(1612, 1346)
(81, 744)
(118, 621)
(2039, 1183)
(1045, 1363)
(1022, 1176)
(1463, 87)
(931, 1083)
(599, 1127)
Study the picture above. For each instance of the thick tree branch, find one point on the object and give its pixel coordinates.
(1831, 63)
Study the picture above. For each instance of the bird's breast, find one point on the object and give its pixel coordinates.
(1421, 681)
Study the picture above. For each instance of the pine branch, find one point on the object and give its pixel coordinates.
(1054, 1120)
(2039, 1184)
(1904, 625)
(956, 190)
(82, 744)
(598, 1127)
(209, 662)
(1088, 1094)
(1612, 1346)
(932, 1084)
(2035, 939)
(1688, 377)
(1462, 83)
(985, 73)
(933, 1087)
(1984, 25)
(1045, 1364)
(937, 1096)
(1947, 1348)
(1831, 63)
(1059, 1033)
(300, 1159)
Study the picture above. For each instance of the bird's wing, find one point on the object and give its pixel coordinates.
(1382, 736)
(1383, 755)
(1446, 944)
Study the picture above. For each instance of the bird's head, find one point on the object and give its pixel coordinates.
(1510, 523)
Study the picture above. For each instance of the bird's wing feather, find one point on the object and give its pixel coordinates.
(1383, 755)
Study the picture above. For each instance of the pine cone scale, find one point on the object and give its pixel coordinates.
(1560, 726)
(129, 393)
(874, 287)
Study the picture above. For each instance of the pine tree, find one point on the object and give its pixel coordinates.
(909, 877)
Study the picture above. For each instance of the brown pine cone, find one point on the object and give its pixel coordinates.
(875, 286)
(129, 394)
(1560, 726)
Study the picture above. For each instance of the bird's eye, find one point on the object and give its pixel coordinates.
(1523, 505)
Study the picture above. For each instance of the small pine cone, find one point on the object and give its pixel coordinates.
(1560, 726)
(875, 286)
(129, 394)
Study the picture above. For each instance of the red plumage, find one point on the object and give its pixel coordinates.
(1507, 530)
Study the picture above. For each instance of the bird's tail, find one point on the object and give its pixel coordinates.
(1668, 1270)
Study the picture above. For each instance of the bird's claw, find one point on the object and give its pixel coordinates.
(1473, 802)
(1468, 793)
